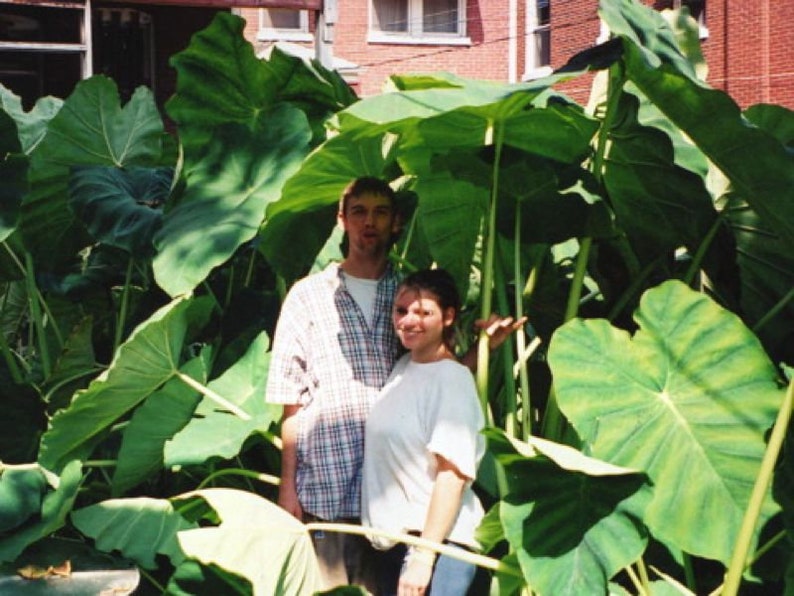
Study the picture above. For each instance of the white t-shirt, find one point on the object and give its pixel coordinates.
(424, 409)
(363, 292)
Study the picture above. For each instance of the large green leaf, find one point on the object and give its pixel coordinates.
(308, 204)
(21, 491)
(573, 521)
(139, 528)
(227, 192)
(410, 104)
(216, 433)
(765, 261)
(256, 540)
(74, 365)
(757, 164)
(687, 400)
(220, 80)
(121, 208)
(13, 168)
(55, 506)
(32, 125)
(90, 129)
(451, 213)
(149, 358)
(160, 417)
(767, 277)
(660, 205)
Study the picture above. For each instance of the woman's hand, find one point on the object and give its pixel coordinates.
(499, 328)
(416, 573)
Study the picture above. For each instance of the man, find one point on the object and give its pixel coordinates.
(333, 350)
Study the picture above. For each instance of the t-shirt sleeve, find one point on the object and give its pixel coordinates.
(455, 422)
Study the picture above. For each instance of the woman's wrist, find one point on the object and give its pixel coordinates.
(421, 555)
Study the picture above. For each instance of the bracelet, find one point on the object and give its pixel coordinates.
(421, 555)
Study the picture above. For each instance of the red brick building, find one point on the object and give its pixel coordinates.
(746, 44)
(46, 46)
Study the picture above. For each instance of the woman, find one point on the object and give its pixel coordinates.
(422, 446)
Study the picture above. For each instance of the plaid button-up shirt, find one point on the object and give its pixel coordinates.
(331, 363)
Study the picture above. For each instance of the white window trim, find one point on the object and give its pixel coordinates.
(413, 37)
(271, 34)
(531, 19)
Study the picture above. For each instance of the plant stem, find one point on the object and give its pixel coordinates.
(700, 254)
(36, 315)
(249, 271)
(267, 478)
(450, 551)
(121, 318)
(781, 304)
(738, 563)
(488, 271)
(8, 354)
(229, 288)
(100, 463)
(521, 363)
(634, 578)
(160, 589)
(207, 392)
(512, 424)
(575, 293)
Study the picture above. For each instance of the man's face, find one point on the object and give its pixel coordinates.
(369, 221)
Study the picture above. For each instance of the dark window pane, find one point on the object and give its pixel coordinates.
(440, 16)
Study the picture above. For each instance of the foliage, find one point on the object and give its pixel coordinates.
(138, 292)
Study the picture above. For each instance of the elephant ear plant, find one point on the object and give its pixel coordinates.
(634, 430)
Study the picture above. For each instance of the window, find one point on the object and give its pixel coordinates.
(283, 23)
(538, 47)
(418, 21)
(44, 49)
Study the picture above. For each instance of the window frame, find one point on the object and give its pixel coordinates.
(532, 67)
(301, 33)
(415, 34)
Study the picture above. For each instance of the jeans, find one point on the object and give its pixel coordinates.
(451, 577)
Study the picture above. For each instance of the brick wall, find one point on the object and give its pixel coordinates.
(748, 49)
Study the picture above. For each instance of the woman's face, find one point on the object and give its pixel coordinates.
(420, 323)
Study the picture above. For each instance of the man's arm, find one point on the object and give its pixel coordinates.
(288, 490)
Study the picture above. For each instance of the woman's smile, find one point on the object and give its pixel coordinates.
(420, 324)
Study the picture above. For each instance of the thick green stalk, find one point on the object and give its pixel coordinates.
(121, 317)
(8, 354)
(249, 271)
(488, 271)
(227, 299)
(738, 563)
(36, 315)
(266, 478)
(523, 369)
(553, 421)
(772, 312)
(218, 399)
(575, 293)
(512, 424)
(700, 254)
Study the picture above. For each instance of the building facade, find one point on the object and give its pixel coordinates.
(46, 46)
(746, 44)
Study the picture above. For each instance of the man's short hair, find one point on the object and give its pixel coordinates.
(363, 186)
